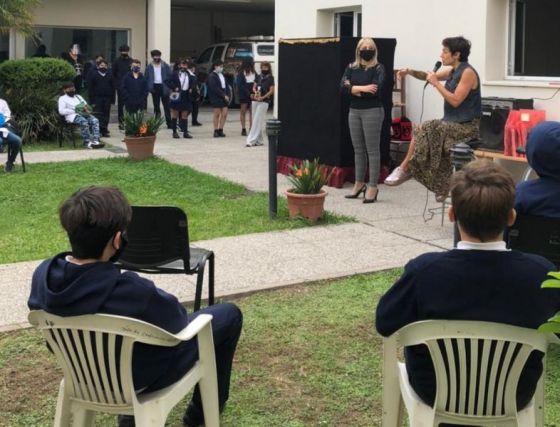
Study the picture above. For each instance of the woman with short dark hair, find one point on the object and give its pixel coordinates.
(218, 96)
(428, 159)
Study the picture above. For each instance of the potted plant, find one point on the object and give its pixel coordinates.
(140, 134)
(306, 197)
(553, 324)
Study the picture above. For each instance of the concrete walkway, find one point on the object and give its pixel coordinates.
(388, 233)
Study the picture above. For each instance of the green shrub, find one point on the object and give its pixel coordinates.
(31, 87)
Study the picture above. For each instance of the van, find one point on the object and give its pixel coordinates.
(233, 52)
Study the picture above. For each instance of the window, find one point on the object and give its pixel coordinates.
(239, 51)
(348, 24)
(4, 47)
(533, 32)
(217, 53)
(265, 49)
(205, 56)
(91, 41)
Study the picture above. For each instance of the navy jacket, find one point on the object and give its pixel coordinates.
(541, 197)
(165, 75)
(120, 67)
(67, 289)
(100, 86)
(173, 82)
(215, 90)
(134, 91)
(491, 286)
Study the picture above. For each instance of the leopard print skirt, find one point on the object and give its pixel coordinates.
(431, 162)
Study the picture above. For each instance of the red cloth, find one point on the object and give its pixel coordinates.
(518, 125)
(340, 174)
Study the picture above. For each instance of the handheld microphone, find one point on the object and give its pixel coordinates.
(436, 67)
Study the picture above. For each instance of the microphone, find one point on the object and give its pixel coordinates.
(436, 67)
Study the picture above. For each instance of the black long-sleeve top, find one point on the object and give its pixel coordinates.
(362, 77)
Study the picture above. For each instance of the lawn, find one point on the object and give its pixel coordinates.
(215, 207)
(308, 356)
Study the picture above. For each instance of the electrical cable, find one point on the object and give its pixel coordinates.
(550, 97)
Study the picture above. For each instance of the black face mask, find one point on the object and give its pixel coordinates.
(183, 70)
(265, 72)
(119, 251)
(367, 55)
(124, 54)
(71, 93)
(102, 69)
(156, 60)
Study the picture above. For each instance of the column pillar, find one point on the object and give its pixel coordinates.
(159, 28)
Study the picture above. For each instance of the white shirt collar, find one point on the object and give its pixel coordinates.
(485, 246)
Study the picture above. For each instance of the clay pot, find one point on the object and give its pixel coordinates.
(140, 147)
(309, 206)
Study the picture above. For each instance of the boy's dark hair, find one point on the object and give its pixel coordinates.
(482, 195)
(135, 61)
(67, 85)
(102, 61)
(124, 48)
(155, 52)
(217, 62)
(458, 44)
(91, 217)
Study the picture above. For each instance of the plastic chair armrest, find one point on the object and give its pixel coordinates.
(194, 327)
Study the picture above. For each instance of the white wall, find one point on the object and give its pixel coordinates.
(419, 27)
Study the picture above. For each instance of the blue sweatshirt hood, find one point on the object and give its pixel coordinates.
(543, 149)
(68, 289)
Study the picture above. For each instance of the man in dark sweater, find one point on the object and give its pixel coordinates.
(134, 89)
(101, 92)
(120, 68)
(85, 281)
(479, 280)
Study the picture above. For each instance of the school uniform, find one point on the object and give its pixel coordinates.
(134, 92)
(101, 92)
(217, 90)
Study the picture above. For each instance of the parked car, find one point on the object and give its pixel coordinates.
(233, 52)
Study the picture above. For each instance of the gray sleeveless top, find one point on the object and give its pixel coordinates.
(471, 107)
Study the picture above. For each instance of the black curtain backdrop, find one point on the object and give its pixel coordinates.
(313, 113)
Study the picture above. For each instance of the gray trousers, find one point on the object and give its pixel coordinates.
(365, 131)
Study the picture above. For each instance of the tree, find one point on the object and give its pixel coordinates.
(17, 15)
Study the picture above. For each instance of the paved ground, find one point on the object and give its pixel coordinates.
(387, 234)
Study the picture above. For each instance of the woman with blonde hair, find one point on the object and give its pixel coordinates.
(362, 82)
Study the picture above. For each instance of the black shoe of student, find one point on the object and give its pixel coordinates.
(243, 132)
(176, 135)
(126, 421)
(217, 133)
(192, 417)
(187, 135)
(221, 133)
(8, 167)
(196, 124)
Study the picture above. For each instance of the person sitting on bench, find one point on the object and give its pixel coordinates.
(7, 136)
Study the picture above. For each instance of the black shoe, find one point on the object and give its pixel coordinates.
(8, 167)
(192, 417)
(221, 133)
(187, 135)
(196, 124)
(126, 421)
(217, 133)
(176, 135)
(370, 200)
(243, 132)
(356, 195)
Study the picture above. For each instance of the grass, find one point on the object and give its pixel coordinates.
(308, 356)
(53, 146)
(215, 207)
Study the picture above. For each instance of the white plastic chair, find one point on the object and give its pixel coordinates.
(87, 348)
(461, 396)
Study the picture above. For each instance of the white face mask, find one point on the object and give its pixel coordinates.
(219, 69)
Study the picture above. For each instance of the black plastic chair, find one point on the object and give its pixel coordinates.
(68, 128)
(537, 235)
(20, 155)
(158, 243)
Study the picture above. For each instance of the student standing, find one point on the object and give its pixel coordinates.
(245, 85)
(262, 97)
(120, 68)
(218, 96)
(158, 72)
(196, 95)
(134, 89)
(181, 84)
(101, 92)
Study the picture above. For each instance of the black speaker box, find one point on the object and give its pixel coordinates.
(313, 113)
(495, 112)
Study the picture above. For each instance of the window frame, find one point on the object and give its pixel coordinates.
(356, 21)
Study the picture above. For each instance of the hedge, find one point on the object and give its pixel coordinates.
(32, 87)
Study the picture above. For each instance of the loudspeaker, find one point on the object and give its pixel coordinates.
(495, 112)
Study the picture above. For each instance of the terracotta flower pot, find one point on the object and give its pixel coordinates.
(309, 206)
(140, 147)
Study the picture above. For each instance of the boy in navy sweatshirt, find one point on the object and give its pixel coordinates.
(479, 280)
(85, 281)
